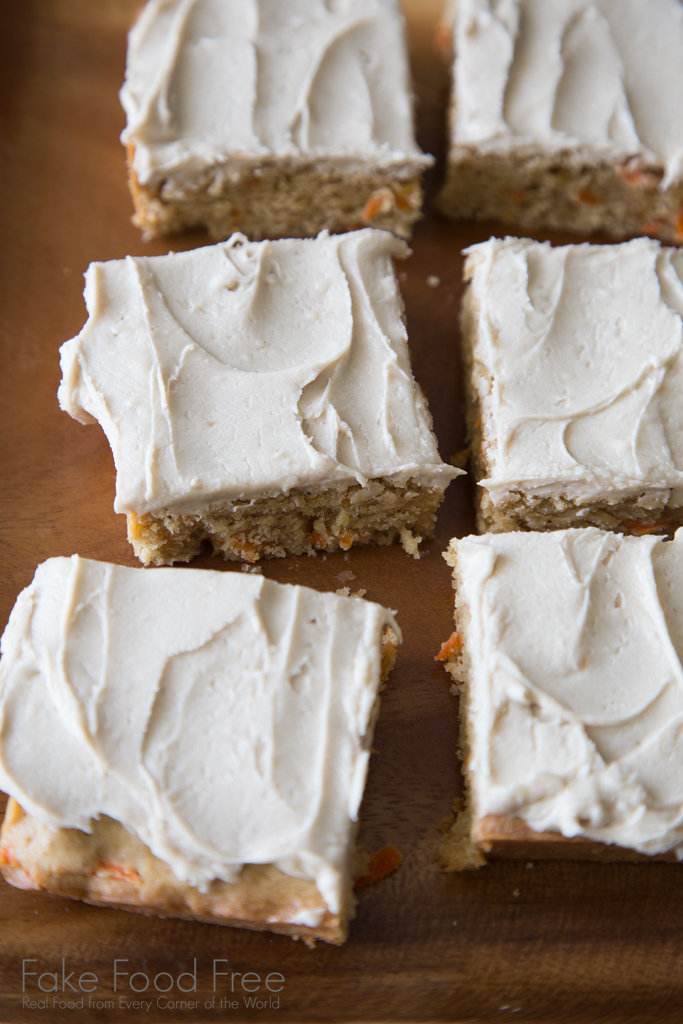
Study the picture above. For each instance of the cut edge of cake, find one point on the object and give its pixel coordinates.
(109, 867)
(283, 199)
(561, 193)
(304, 521)
(471, 840)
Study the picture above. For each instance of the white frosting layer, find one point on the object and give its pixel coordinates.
(247, 368)
(576, 686)
(211, 81)
(598, 79)
(579, 368)
(223, 718)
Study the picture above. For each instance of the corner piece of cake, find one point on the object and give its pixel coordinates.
(568, 115)
(189, 743)
(575, 372)
(271, 118)
(258, 395)
(567, 655)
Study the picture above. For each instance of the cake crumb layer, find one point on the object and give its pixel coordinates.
(567, 116)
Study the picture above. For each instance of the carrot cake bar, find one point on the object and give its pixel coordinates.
(258, 394)
(189, 743)
(567, 652)
(575, 368)
(271, 118)
(568, 115)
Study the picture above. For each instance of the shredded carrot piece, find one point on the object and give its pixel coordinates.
(443, 39)
(586, 196)
(345, 541)
(653, 227)
(389, 649)
(405, 198)
(134, 527)
(638, 177)
(379, 202)
(244, 547)
(5, 856)
(452, 646)
(317, 539)
(127, 874)
(641, 529)
(382, 864)
(678, 223)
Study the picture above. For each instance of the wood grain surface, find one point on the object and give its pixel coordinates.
(544, 942)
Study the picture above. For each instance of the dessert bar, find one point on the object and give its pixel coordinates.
(258, 395)
(567, 656)
(568, 115)
(189, 743)
(574, 362)
(271, 118)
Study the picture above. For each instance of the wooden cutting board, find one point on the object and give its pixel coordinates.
(514, 942)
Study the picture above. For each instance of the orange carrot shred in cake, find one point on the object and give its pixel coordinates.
(384, 862)
(450, 647)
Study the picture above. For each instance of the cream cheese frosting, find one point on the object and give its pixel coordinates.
(251, 368)
(579, 368)
(210, 81)
(595, 79)
(575, 693)
(224, 719)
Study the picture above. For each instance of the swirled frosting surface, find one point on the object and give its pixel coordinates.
(211, 80)
(578, 364)
(599, 79)
(250, 368)
(575, 711)
(223, 718)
